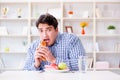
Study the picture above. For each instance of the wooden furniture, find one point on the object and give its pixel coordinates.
(98, 43)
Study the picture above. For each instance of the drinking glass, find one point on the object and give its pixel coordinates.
(82, 64)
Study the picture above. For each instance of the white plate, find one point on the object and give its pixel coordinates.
(58, 71)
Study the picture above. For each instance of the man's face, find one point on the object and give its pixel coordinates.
(47, 33)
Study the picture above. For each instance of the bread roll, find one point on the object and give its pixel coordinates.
(43, 43)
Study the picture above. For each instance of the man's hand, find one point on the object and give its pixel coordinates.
(46, 53)
(37, 58)
(43, 51)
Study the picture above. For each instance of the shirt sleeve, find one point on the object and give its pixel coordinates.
(29, 62)
(75, 50)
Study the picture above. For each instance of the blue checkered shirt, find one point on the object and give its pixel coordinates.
(66, 48)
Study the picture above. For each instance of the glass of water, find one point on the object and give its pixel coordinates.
(82, 64)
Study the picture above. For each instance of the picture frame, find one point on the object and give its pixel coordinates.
(69, 29)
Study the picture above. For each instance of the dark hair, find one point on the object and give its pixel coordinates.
(47, 19)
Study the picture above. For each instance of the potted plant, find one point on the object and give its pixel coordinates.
(83, 25)
(111, 29)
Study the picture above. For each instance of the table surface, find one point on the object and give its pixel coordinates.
(36, 75)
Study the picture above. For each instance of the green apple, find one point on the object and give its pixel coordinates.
(62, 66)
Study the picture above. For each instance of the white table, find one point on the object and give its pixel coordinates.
(34, 75)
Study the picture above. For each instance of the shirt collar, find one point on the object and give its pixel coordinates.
(57, 38)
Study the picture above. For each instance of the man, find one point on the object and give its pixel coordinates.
(60, 47)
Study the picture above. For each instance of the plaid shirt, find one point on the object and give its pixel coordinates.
(67, 48)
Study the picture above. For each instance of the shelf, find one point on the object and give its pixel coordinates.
(34, 19)
(11, 68)
(109, 69)
(107, 35)
(108, 19)
(95, 32)
(19, 2)
(34, 35)
(78, 2)
(14, 19)
(89, 52)
(13, 52)
(46, 2)
(13, 36)
(108, 52)
(86, 35)
(76, 18)
(110, 2)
